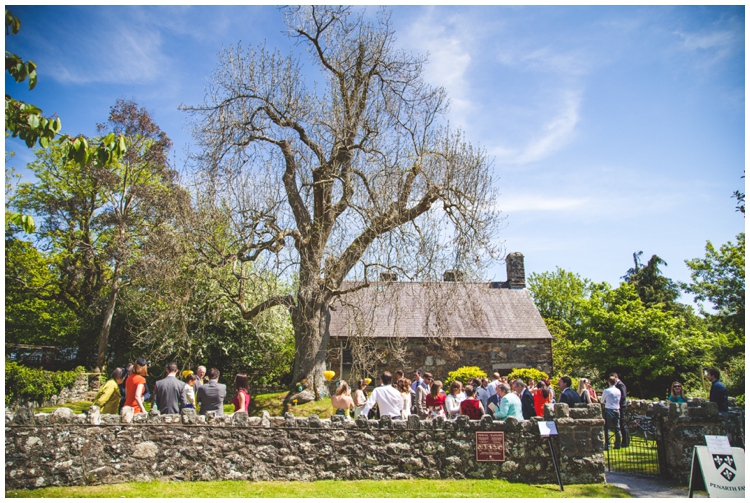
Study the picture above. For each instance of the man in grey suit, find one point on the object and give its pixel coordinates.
(211, 395)
(168, 392)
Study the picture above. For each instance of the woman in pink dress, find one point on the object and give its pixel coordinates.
(242, 397)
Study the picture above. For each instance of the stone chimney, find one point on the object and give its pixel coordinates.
(453, 275)
(515, 270)
(387, 276)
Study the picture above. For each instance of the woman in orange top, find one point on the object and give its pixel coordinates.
(542, 396)
(135, 386)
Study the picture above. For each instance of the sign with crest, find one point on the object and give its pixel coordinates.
(718, 469)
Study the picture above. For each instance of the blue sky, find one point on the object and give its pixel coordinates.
(613, 129)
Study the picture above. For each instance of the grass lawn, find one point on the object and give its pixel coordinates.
(272, 402)
(328, 489)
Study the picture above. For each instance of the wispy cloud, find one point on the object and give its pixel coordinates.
(128, 54)
(535, 202)
(449, 44)
(710, 46)
(551, 135)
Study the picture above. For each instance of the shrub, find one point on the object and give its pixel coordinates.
(733, 376)
(464, 374)
(526, 374)
(27, 384)
(741, 401)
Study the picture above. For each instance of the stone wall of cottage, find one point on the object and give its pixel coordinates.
(63, 449)
(489, 355)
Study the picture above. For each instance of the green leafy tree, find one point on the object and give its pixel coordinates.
(652, 286)
(646, 346)
(97, 217)
(719, 278)
(560, 296)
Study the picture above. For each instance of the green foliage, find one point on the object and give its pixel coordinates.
(559, 296)
(33, 315)
(527, 373)
(741, 398)
(27, 384)
(733, 376)
(652, 286)
(719, 278)
(646, 346)
(464, 374)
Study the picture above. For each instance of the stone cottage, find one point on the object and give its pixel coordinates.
(438, 326)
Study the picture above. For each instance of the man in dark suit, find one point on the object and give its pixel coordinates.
(168, 392)
(567, 395)
(211, 395)
(527, 399)
(493, 399)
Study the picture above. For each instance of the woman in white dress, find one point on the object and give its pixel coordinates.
(454, 399)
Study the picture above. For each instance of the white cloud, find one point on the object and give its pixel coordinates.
(527, 202)
(553, 134)
(127, 54)
(449, 44)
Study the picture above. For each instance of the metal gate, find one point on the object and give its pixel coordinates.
(641, 456)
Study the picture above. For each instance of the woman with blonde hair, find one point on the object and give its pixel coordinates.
(583, 390)
(454, 399)
(342, 400)
(135, 385)
(676, 395)
(404, 387)
(435, 401)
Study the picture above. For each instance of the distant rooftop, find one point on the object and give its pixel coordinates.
(458, 309)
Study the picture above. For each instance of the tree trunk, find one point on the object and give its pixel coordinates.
(310, 319)
(107, 323)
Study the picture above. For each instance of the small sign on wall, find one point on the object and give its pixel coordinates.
(490, 445)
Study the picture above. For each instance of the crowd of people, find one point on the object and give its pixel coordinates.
(397, 397)
(400, 397)
(200, 390)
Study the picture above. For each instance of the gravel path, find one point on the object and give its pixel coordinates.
(647, 487)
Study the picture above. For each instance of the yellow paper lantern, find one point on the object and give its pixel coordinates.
(329, 374)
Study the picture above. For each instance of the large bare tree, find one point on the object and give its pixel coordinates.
(356, 175)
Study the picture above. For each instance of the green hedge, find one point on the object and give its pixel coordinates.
(26, 384)
(463, 374)
(527, 373)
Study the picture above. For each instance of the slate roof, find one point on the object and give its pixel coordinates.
(458, 309)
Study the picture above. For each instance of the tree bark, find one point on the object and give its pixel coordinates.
(310, 318)
(107, 323)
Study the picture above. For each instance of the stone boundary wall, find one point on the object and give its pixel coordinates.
(63, 449)
(682, 426)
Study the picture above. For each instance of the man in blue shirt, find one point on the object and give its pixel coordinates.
(567, 395)
(718, 393)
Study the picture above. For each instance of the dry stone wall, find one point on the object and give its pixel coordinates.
(681, 426)
(65, 449)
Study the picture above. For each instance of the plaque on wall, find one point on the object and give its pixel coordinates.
(490, 445)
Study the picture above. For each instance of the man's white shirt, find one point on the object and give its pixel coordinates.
(611, 398)
(389, 401)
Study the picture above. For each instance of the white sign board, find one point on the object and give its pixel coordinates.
(547, 428)
(718, 445)
(721, 475)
